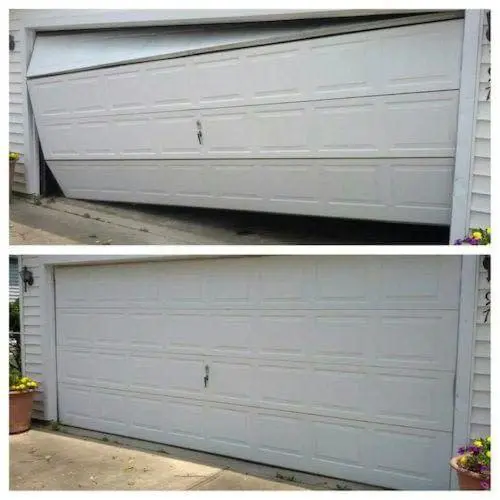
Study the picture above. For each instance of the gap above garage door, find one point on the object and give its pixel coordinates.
(357, 125)
(337, 365)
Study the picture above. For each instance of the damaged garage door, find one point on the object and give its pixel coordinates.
(357, 125)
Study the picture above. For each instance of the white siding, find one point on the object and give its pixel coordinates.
(480, 396)
(13, 280)
(481, 167)
(16, 99)
(32, 329)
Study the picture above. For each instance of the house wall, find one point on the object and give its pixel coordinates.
(37, 335)
(480, 199)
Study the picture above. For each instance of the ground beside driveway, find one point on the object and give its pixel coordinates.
(47, 460)
(95, 223)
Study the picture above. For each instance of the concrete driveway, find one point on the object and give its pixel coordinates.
(72, 459)
(64, 221)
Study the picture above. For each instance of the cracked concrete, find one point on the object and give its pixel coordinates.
(76, 459)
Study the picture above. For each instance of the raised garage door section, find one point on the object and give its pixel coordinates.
(359, 125)
(342, 366)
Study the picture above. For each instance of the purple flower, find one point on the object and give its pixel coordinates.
(462, 450)
(458, 242)
(483, 469)
(474, 450)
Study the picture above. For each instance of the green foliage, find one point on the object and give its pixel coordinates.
(14, 318)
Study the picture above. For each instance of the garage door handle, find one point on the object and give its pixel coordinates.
(199, 133)
(207, 373)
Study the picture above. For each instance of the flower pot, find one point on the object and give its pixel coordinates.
(12, 171)
(467, 480)
(20, 408)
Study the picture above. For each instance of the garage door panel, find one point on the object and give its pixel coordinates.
(125, 90)
(421, 124)
(408, 468)
(187, 423)
(76, 367)
(411, 69)
(91, 93)
(146, 418)
(415, 125)
(76, 405)
(279, 71)
(326, 56)
(149, 372)
(272, 433)
(111, 370)
(231, 381)
(416, 340)
(282, 335)
(228, 430)
(423, 185)
(417, 399)
(219, 80)
(410, 192)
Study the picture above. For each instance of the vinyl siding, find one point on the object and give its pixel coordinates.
(481, 163)
(13, 280)
(480, 396)
(16, 100)
(32, 330)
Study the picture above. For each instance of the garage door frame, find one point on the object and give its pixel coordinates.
(465, 349)
(462, 182)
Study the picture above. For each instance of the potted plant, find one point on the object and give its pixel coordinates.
(473, 465)
(13, 157)
(21, 392)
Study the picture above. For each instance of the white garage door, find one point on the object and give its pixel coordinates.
(360, 125)
(342, 366)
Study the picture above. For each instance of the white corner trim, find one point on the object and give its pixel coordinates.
(465, 352)
(48, 297)
(466, 126)
(21, 316)
(31, 156)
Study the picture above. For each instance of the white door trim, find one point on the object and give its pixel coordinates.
(465, 354)
(467, 104)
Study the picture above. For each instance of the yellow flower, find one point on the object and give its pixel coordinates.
(22, 387)
(488, 454)
(478, 444)
(488, 439)
(463, 460)
(477, 235)
(488, 230)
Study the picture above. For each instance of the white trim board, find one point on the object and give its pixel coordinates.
(467, 103)
(465, 355)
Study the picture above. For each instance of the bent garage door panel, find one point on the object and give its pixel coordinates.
(379, 95)
(315, 363)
